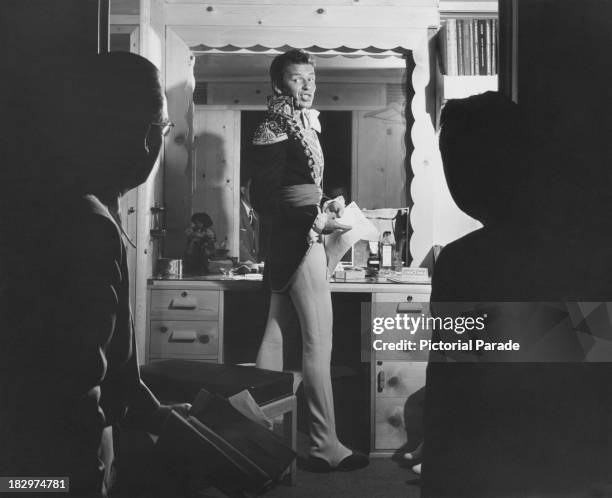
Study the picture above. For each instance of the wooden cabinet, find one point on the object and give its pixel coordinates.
(396, 384)
(396, 376)
(185, 320)
(185, 323)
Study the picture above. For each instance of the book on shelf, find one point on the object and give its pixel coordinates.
(482, 46)
(468, 47)
(494, 32)
(460, 50)
(448, 47)
(488, 51)
(476, 48)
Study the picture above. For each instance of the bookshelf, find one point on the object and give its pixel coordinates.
(468, 50)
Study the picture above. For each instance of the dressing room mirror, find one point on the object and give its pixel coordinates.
(362, 100)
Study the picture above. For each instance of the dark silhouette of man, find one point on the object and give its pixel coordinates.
(511, 428)
(69, 369)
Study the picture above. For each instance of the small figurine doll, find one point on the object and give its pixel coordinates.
(200, 246)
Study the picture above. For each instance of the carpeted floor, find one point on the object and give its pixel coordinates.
(383, 478)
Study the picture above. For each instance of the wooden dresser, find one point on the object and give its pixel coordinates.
(186, 320)
(396, 376)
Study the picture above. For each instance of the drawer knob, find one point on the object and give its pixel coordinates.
(395, 421)
(204, 339)
(184, 294)
(163, 329)
(409, 298)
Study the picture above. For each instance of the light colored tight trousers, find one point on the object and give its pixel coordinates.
(309, 297)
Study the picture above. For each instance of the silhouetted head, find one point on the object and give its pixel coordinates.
(118, 116)
(293, 74)
(482, 143)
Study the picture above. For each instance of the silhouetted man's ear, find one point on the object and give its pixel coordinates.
(152, 144)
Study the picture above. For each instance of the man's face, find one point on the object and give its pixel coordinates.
(299, 83)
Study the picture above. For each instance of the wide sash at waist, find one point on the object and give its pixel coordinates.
(305, 194)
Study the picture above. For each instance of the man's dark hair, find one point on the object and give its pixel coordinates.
(280, 63)
(483, 143)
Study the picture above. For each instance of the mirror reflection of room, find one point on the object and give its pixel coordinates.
(361, 100)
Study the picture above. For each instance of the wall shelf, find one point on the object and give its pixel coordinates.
(458, 87)
(451, 8)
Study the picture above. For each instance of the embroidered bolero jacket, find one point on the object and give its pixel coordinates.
(285, 152)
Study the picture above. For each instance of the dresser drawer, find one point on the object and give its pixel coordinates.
(183, 338)
(412, 309)
(396, 378)
(153, 359)
(418, 296)
(169, 304)
(390, 431)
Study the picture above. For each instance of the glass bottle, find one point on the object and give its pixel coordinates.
(386, 251)
(374, 258)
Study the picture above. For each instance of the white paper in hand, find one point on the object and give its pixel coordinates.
(337, 243)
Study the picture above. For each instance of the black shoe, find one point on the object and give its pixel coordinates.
(352, 462)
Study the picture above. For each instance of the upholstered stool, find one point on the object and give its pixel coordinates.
(179, 381)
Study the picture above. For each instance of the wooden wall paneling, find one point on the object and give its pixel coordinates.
(125, 7)
(352, 94)
(119, 20)
(354, 155)
(322, 3)
(299, 36)
(311, 15)
(231, 93)
(395, 168)
(178, 163)
(371, 162)
(216, 188)
(329, 95)
(452, 8)
(380, 179)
